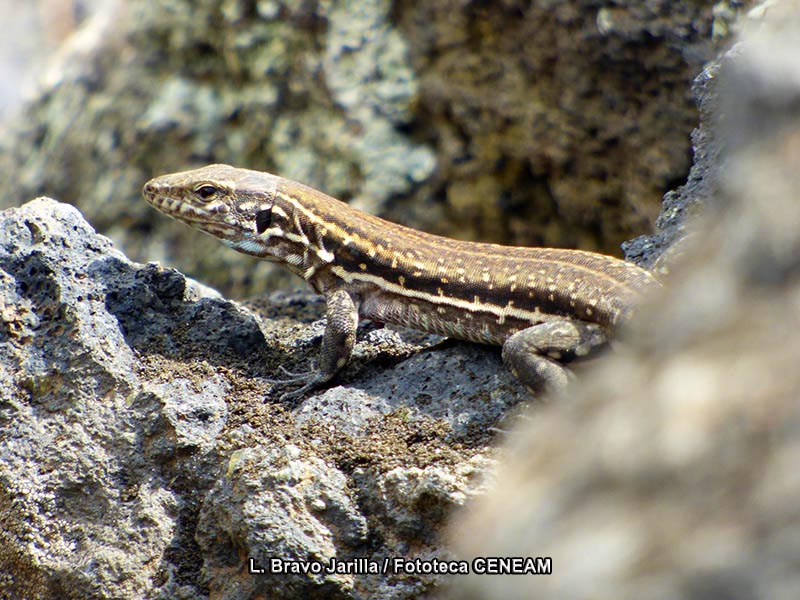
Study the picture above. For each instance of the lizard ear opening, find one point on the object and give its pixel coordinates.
(263, 220)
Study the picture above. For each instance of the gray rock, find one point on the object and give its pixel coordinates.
(671, 472)
(462, 385)
(282, 504)
(143, 452)
(82, 515)
(417, 502)
(680, 206)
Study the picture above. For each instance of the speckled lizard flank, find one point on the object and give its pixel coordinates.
(543, 305)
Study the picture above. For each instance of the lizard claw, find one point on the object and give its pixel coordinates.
(309, 380)
(293, 376)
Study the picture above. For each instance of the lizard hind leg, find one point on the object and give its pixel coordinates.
(534, 355)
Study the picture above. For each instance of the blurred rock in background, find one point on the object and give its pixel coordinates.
(529, 123)
(672, 472)
(33, 31)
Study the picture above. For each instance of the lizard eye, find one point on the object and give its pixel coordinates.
(263, 220)
(206, 191)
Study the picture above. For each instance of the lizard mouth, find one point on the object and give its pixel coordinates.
(185, 212)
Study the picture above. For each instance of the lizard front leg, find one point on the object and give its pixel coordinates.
(341, 316)
(532, 354)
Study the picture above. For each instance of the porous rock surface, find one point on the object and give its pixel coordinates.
(143, 454)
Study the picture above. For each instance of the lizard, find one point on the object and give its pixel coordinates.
(544, 306)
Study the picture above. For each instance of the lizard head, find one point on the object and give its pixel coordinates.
(241, 208)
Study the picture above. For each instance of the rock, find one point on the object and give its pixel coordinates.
(671, 472)
(82, 515)
(277, 503)
(144, 454)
